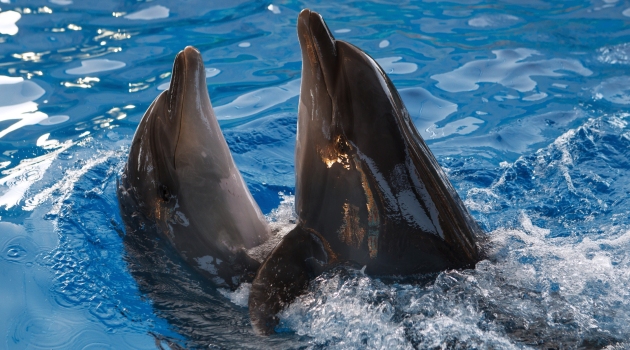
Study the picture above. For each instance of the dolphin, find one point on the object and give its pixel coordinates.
(180, 182)
(369, 192)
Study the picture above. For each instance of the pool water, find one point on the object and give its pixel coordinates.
(524, 103)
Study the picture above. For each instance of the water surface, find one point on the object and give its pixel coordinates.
(525, 104)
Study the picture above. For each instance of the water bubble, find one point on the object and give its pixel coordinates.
(65, 155)
(15, 252)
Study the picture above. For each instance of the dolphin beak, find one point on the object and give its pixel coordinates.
(197, 123)
(189, 107)
(188, 73)
(318, 46)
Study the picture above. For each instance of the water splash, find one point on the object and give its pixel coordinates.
(538, 287)
(618, 54)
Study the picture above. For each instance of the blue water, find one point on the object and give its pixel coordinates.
(525, 104)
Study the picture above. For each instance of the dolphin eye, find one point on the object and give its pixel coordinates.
(164, 193)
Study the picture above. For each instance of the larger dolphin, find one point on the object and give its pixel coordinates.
(181, 181)
(368, 189)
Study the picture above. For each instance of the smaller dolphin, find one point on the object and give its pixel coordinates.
(180, 181)
(368, 189)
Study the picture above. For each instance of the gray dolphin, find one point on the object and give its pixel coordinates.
(368, 189)
(181, 181)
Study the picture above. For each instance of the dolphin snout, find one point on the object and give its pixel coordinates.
(191, 55)
(318, 46)
(312, 30)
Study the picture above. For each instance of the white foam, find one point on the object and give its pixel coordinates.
(20, 178)
(207, 263)
(534, 288)
(617, 54)
(284, 214)
(540, 287)
(240, 296)
(60, 191)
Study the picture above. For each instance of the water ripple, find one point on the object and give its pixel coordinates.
(153, 12)
(615, 90)
(95, 66)
(510, 69)
(528, 113)
(257, 101)
(7, 22)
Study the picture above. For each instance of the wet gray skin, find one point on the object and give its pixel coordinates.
(368, 189)
(181, 182)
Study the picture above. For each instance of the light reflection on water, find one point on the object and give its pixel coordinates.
(524, 103)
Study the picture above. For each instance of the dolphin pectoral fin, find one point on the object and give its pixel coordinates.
(284, 275)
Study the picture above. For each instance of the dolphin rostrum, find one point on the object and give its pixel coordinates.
(368, 189)
(181, 181)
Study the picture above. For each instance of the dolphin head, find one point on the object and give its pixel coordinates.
(368, 189)
(337, 75)
(364, 176)
(182, 176)
(348, 112)
(173, 148)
